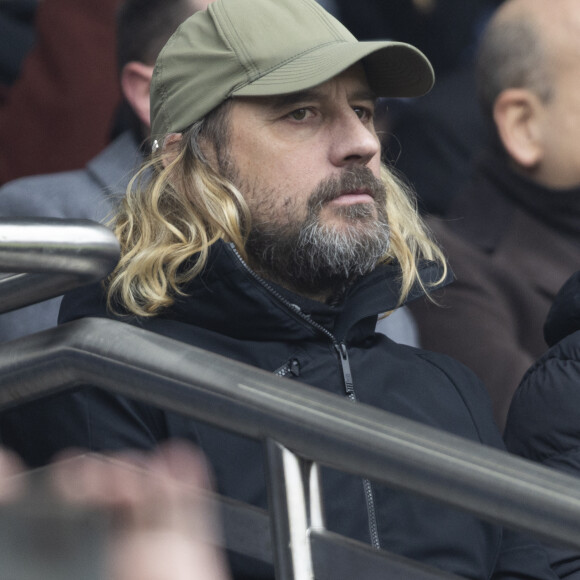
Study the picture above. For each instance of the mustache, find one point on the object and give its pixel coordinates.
(352, 179)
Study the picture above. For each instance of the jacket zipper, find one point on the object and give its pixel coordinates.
(341, 349)
(367, 486)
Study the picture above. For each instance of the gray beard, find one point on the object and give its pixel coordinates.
(314, 258)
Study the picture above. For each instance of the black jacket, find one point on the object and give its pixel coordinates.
(229, 310)
(544, 419)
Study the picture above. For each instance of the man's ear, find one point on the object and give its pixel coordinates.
(518, 117)
(170, 148)
(135, 84)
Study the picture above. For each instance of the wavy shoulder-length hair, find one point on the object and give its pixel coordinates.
(175, 210)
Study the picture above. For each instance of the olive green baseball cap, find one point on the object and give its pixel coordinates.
(269, 47)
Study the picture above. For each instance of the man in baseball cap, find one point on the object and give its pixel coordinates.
(265, 228)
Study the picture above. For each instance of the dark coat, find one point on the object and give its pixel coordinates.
(229, 310)
(511, 244)
(544, 419)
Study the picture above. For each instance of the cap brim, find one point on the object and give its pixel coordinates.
(394, 69)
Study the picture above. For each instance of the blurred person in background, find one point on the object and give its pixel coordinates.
(512, 236)
(143, 27)
(148, 515)
(59, 108)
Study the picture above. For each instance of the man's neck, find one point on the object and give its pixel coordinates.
(332, 295)
(320, 296)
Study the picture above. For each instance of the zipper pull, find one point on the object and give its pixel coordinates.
(292, 367)
(346, 373)
(295, 367)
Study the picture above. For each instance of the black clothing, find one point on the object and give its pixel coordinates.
(544, 419)
(564, 316)
(230, 311)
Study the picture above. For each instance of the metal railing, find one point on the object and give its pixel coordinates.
(314, 425)
(44, 258)
(301, 428)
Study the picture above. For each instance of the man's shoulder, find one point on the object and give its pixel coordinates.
(436, 365)
(527, 257)
(117, 163)
(70, 194)
(462, 377)
(38, 184)
(82, 193)
(441, 391)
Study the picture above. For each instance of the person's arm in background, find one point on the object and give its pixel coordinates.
(59, 113)
(155, 518)
(161, 526)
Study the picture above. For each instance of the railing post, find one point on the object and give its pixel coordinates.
(295, 508)
(316, 512)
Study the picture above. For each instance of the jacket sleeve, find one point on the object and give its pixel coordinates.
(58, 114)
(88, 418)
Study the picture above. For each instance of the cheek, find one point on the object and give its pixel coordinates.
(375, 166)
(294, 174)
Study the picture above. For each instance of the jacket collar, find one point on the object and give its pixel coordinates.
(231, 299)
(113, 168)
(484, 211)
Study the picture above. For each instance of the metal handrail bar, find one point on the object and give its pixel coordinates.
(44, 258)
(314, 424)
(303, 548)
(245, 530)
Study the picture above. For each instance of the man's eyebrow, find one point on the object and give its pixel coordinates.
(364, 95)
(291, 99)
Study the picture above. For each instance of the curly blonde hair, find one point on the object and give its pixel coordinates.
(176, 210)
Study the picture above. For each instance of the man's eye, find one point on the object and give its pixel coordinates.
(362, 113)
(299, 114)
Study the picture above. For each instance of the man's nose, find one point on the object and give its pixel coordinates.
(353, 141)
